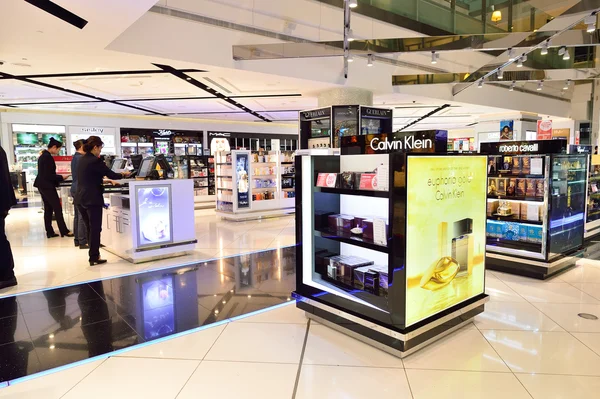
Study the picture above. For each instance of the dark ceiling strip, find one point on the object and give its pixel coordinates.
(208, 89)
(104, 73)
(56, 102)
(228, 112)
(425, 117)
(268, 95)
(210, 98)
(59, 12)
(77, 93)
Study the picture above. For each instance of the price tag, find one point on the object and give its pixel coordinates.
(379, 232)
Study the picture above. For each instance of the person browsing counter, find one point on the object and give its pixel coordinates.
(46, 182)
(91, 171)
(79, 229)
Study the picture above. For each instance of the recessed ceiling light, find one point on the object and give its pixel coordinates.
(352, 3)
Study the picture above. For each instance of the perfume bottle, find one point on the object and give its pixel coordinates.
(462, 246)
(443, 270)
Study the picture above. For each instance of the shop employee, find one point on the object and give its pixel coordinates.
(91, 171)
(46, 182)
(7, 201)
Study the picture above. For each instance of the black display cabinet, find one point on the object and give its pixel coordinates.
(325, 127)
(536, 207)
(415, 271)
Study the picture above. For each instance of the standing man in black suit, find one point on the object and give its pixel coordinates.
(79, 229)
(46, 182)
(91, 171)
(7, 200)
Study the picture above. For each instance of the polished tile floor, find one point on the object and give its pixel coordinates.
(42, 263)
(529, 343)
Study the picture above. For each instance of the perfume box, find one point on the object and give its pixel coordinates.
(521, 187)
(367, 226)
(495, 228)
(534, 234)
(515, 207)
(511, 187)
(530, 212)
(510, 231)
(372, 282)
(506, 164)
(525, 165)
(530, 187)
(539, 188)
(382, 274)
(359, 277)
(345, 266)
(321, 219)
(340, 222)
(522, 232)
(489, 229)
(516, 165)
(501, 186)
(537, 166)
(348, 180)
(492, 207)
(322, 260)
(492, 186)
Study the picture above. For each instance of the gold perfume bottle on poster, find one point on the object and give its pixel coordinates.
(462, 246)
(442, 271)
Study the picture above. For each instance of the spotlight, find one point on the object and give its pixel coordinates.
(434, 57)
(350, 58)
(480, 85)
(512, 85)
(567, 84)
(350, 35)
(545, 46)
(590, 21)
(521, 60)
(352, 3)
(500, 74)
(370, 60)
(511, 54)
(540, 85)
(566, 56)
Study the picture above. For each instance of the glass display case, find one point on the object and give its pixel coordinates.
(386, 245)
(592, 216)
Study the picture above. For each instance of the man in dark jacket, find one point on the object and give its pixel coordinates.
(7, 200)
(79, 229)
(46, 182)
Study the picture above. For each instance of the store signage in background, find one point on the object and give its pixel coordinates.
(580, 149)
(544, 130)
(577, 135)
(315, 114)
(164, 133)
(426, 141)
(375, 112)
(446, 233)
(106, 134)
(561, 133)
(524, 147)
(242, 167)
(506, 130)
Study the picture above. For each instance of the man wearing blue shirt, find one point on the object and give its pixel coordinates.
(79, 229)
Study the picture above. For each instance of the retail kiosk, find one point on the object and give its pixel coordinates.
(592, 208)
(324, 127)
(253, 185)
(387, 250)
(200, 169)
(536, 206)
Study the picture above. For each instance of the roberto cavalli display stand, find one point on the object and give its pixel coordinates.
(535, 207)
(391, 247)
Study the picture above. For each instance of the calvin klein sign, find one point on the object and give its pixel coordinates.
(408, 143)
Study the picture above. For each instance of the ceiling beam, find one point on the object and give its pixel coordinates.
(209, 89)
(59, 12)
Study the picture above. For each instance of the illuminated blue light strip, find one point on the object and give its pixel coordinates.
(139, 346)
(145, 271)
(561, 222)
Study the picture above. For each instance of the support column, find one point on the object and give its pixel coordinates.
(345, 96)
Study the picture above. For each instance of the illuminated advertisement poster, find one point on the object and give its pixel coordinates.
(242, 167)
(27, 138)
(159, 308)
(544, 130)
(506, 130)
(445, 245)
(154, 215)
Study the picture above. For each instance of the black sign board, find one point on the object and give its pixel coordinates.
(580, 149)
(370, 112)
(315, 114)
(423, 141)
(524, 147)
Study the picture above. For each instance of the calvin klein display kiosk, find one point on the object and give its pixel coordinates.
(391, 245)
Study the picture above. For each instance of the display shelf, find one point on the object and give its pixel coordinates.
(507, 218)
(362, 193)
(518, 175)
(515, 198)
(349, 238)
(514, 244)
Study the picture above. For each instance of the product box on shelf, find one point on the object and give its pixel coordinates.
(535, 234)
(536, 166)
(525, 165)
(492, 186)
(359, 277)
(343, 267)
(539, 188)
(323, 260)
(506, 165)
(328, 180)
(501, 186)
(367, 226)
(530, 212)
(367, 181)
(521, 187)
(510, 231)
(322, 219)
(340, 222)
(530, 188)
(382, 274)
(516, 165)
(348, 180)
(492, 207)
(511, 189)
(522, 232)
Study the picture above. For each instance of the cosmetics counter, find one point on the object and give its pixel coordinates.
(592, 208)
(535, 208)
(254, 185)
(149, 221)
(200, 169)
(391, 247)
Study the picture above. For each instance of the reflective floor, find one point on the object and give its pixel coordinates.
(52, 328)
(42, 263)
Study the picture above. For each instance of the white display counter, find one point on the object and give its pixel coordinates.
(251, 185)
(154, 220)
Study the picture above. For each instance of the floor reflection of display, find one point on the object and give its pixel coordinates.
(154, 215)
(159, 308)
